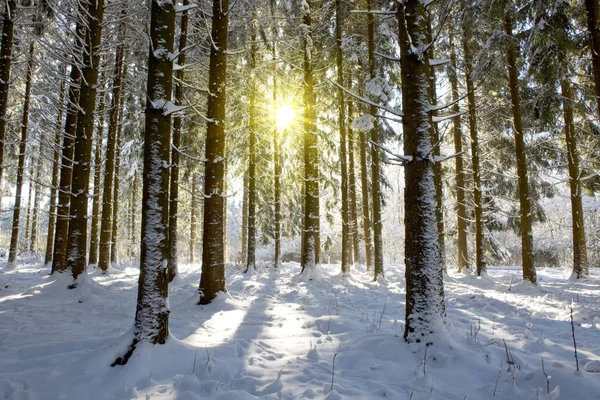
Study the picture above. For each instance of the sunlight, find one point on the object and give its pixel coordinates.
(285, 115)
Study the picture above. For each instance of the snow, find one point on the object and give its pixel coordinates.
(274, 336)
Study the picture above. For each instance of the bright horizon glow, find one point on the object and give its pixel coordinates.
(284, 116)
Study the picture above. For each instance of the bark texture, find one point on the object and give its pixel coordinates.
(212, 280)
(14, 238)
(424, 283)
(5, 64)
(152, 313)
(529, 272)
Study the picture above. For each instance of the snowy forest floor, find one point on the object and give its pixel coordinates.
(275, 336)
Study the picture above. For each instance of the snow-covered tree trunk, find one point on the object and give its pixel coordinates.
(36, 202)
(424, 284)
(59, 259)
(213, 253)
(366, 214)
(78, 234)
(177, 122)
(14, 238)
(193, 216)
(8, 27)
(526, 216)
(152, 313)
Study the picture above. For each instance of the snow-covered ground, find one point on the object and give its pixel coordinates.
(275, 336)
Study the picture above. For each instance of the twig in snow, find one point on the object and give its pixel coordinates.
(574, 341)
(333, 365)
(381, 316)
(548, 377)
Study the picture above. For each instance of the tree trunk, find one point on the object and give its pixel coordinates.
(529, 272)
(174, 181)
(461, 212)
(14, 239)
(152, 313)
(77, 239)
(375, 166)
(251, 260)
(480, 262)
(364, 180)
(59, 257)
(580, 261)
(424, 283)
(114, 254)
(194, 210)
(592, 10)
(95, 239)
(55, 171)
(36, 203)
(276, 148)
(352, 191)
(311, 156)
(5, 63)
(245, 220)
(28, 212)
(346, 238)
(109, 168)
(213, 257)
(436, 140)
(134, 196)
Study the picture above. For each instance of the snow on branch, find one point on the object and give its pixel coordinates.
(447, 117)
(367, 101)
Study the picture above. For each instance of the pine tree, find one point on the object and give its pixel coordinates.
(10, 8)
(152, 313)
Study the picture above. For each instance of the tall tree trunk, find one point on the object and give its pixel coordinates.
(194, 210)
(352, 191)
(529, 272)
(437, 143)
(134, 196)
(366, 215)
(245, 220)
(225, 205)
(276, 144)
(592, 10)
(59, 257)
(55, 170)
(311, 156)
(580, 261)
(174, 181)
(461, 212)
(29, 208)
(251, 260)
(114, 253)
(152, 313)
(95, 239)
(77, 239)
(375, 165)
(14, 239)
(346, 238)
(213, 257)
(424, 270)
(36, 203)
(109, 168)
(480, 262)
(5, 63)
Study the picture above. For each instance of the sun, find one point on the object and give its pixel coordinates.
(284, 115)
